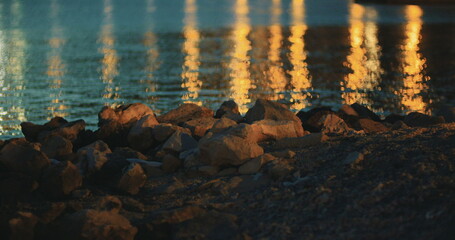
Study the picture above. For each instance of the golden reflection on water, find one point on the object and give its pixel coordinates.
(56, 67)
(300, 76)
(150, 41)
(240, 61)
(413, 62)
(364, 57)
(276, 74)
(190, 74)
(110, 59)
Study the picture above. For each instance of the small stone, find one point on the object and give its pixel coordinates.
(279, 170)
(353, 158)
(331, 123)
(251, 167)
(92, 157)
(132, 179)
(311, 120)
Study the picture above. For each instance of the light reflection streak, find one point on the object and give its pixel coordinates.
(300, 76)
(364, 57)
(190, 74)
(276, 73)
(413, 62)
(150, 41)
(240, 61)
(110, 59)
(56, 67)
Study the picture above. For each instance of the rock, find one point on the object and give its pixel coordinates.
(92, 157)
(171, 163)
(227, 172)
(179, 142)
(282, 154)
(331, 123)
(203, 171)
(227, 107)
(22, 226)
(392, 118)
(230, 148)
(370, 126)
(132, 179)
(416, 119)
(114, 134)
(185, 113)
(57, 147)
(68, 130)
(447, 112)
(124, 114)
(110, 203)
(364, 112)
(49, 211)
(353, 158)
(274, 130)
(21, 156)
(399, 125)
(31, 131)
(16, 187)
(163, 131)
(129, 153)
(280, 169)
(93, 224)
(265, 109)
(348, 110)
(81, 193)
(301, 142)
(140, 136)
(60, 180)
(222, 124)
(311, 120)
(200, 126)
(251, 167)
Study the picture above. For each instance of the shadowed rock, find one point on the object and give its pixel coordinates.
(92, 157)
(140, 136)
(57, 147)
(132, 179)
(60, 179)
(370, 126)
(364, 112)
(163, 131)
(416, 119)
(311, 119)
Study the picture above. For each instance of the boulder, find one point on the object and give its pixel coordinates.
(57, 147)
(222, 124)
(132, 179)
(251, 167)
(265, 109)
(332, 124)
(114, 134)
(200, 126)
(91, 158)
(94, 224)
(311, 120)
(124, 114)
(179, 142)
(60, 180)
(140, 136)
(163, 131)
(370, 126)
(21, 156)
(416, 119)
(22, 226)
(348, 110)
(68, 130)
(273, 130)
(31, 131)
(171, 163)
(227, 108)
(364, 112)
(229, 148)
(392, 118)
(185, 113)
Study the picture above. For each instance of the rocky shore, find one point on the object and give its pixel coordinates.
(193, 173)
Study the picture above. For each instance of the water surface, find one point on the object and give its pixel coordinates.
(69, 58)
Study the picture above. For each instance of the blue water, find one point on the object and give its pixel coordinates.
(70, 58)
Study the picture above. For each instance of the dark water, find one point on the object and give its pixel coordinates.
(69, 58)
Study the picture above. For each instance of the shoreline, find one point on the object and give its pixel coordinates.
(197, 173)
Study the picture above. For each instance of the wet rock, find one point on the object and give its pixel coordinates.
(92, 157)
(110, 203)
(370, 126)
(353, 158)
(200, 126)
(416, 119)
(364, 112)
(93, 224)
(274, 130)
(132, 179)
(60, 180)
(124, 114)
(15, 187)
(227, 108)
(185, 113)
(447, 112)
(265, 109)
(163, 131)
(399, 125)
(57, 147)
(222, 124)
(171, 163)
(22, 226)
(311, 120)
(331, 123)
(232, 147)
(179, 142)
(140, 136)
(348, 110)
(21, 156)
(301, 142)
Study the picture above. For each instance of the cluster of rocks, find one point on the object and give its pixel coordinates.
(132, 144)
